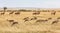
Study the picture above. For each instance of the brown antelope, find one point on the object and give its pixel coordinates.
(56, 21)
(34, 18)
(53, 13)
(3, 13)
(17, 13)
(26, 19)
(58, 18)
(11, 12)
(49, 18)
(36, 13)
(41, 20)
(10, 20)
(14, 23)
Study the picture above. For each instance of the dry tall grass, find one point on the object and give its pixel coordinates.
(30, 24)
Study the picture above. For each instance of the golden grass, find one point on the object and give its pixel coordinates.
(29, 26)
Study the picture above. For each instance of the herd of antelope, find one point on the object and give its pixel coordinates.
(29, 19)
(17, 13)
(35, 13)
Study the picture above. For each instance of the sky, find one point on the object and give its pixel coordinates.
(30, 3)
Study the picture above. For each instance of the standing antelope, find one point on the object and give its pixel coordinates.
(10, 20)
(49, 18)
(36, 13)
(41, 20)
(17, 13)
(58, 18)
(3, 13)
(53, 13)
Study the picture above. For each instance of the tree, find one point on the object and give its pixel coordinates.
(5, 9)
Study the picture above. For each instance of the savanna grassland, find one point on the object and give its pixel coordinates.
(30, 21)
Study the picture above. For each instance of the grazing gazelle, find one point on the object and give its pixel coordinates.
(56, 21)
(34, 18)
(26, 19)
(14, 23)
(36, 13)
